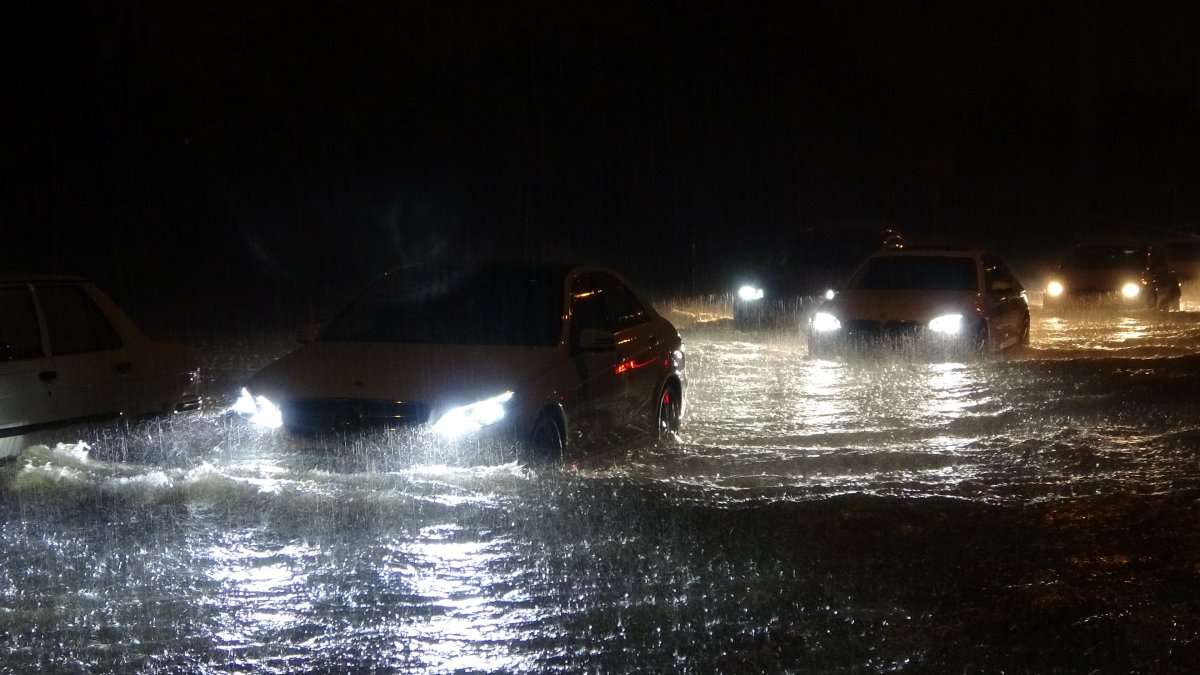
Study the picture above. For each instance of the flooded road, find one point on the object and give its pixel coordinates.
(1035, 512)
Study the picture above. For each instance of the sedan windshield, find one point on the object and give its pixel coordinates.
(1107, 258)
(916, 273)
(494, 305)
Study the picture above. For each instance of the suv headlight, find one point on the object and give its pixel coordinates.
(947, 324)
(258, 410)
(824, 322)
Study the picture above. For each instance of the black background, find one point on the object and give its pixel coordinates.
(212, 155)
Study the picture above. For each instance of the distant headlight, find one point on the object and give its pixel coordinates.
(259, 410)
(947, 324)
(465, 419)
(1131, 290)
(1054, 289)
(824, 322)
(749, 293)
(830, 293)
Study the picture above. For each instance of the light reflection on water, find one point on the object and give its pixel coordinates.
(817, 516)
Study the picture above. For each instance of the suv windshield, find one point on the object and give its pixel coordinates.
(916, 273)
(494, 305)
(1107, 258)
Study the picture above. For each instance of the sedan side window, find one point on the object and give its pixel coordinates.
(20, 337)
(75, 323)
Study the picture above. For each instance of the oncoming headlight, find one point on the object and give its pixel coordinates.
(749, 293)
(258, 410)
(947, 324)
(465, 419)
(824, 322)
(1054, 289)
(1131, 290)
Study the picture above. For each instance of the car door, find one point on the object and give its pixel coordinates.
(87, 360)
(594, 410)
(1007, 294)
(639, 369)
(25, 368)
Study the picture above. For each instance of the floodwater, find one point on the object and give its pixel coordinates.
(1032, 513)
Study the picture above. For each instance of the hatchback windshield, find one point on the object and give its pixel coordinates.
(494, 305)
(916, 273)
(1107, 258)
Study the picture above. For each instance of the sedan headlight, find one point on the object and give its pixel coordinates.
(750, 293)
(1055, 289)
(1131, 290)
(947, 324)
(824, 322)
(465, 419)
(259, 410)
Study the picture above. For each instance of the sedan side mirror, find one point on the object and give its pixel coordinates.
(595, 340)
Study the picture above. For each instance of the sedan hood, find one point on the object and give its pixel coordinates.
(918, 306)
(437, 375)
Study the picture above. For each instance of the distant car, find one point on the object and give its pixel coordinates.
(1107, 275)
(776, 287)
(935, 301)
(67, 352)
(553, 361)
(1184, 258)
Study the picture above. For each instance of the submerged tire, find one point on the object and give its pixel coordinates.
(668, 412)
(546, 442)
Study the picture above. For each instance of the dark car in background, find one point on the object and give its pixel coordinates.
(545, 362)
(1184, 257)
(776, 286)
(928, 301)
(1133, 276)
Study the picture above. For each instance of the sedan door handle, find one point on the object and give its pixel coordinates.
(124, 367)
(48, 375)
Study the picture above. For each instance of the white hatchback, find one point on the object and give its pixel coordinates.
(940, 301)
(68, 352)
(554, 360)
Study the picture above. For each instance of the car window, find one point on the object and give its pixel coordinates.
(917, 273)
(1107, 257)
(74, 322)
(20, 337)
(601, 301)
(995, 270)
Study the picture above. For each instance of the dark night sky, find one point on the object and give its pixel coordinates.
(257, 145)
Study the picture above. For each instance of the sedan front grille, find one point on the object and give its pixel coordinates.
(348, 414)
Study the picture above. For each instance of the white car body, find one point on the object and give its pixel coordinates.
(598, 383)
(981, 308)
(68, 352)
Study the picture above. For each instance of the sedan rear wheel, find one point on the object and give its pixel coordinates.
(670, 412)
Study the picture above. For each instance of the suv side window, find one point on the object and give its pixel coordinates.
(588, 306)
(74, 322)
(995, 270)
(623, 306)
(20, 336)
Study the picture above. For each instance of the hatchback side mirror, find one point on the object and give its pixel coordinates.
(595, 340)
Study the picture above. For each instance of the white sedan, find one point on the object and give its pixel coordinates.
(555, 360)
(67, 352)
(942, 301)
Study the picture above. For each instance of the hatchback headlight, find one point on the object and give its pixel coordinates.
(467, 418)
(1131, 290)
(750, 293)
(947, 324)
(259, 410)
(824, 322)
